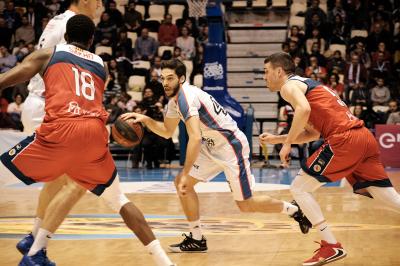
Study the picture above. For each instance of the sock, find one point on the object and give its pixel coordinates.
(326, 233)
(36, 225)
(158, 253)
(289, 208)
(195, 229)
(41, 240)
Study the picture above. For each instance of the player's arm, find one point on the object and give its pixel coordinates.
(193, 147)
(164, 129)
(293, 94)
(307, 135)
(34, 63)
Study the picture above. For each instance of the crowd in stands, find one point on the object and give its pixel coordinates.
(354, 48)
(129, 41)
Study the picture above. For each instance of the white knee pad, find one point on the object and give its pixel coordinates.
(114, 197)
(304, 183)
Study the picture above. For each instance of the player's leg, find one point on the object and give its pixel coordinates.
(203, 169)
(135, 221)
(387, 196)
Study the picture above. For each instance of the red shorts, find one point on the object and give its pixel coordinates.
(78, 148)
(353, 155)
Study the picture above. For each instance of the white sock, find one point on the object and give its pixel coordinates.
(289, 208)
(326, 233)
(41, 240)
(158, 254)
(195, 229)
(36, 225)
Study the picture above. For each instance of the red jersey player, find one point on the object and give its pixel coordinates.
(72, 139)
(349, 150)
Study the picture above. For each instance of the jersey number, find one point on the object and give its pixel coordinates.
(87, 87)
(217, 107)
(340, 102)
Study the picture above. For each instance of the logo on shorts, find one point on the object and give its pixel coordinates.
(196, 166)
(317, 168)
(321, 162)
(11, 152)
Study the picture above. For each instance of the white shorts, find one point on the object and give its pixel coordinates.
(232, 158)
(32, 113)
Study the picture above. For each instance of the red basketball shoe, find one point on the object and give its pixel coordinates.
(326, 254)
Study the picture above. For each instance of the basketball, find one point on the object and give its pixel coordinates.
(127, 133)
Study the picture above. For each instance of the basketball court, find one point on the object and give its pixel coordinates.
(93, 235)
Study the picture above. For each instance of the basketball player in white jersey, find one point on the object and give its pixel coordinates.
(215, 145)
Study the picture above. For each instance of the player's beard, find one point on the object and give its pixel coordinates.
(175, 91)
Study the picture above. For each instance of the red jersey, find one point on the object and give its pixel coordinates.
(329, 114)
(74, 81)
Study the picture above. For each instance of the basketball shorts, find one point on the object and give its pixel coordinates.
(78, 148)
(230, 156)
(353, 155)
(32, 113)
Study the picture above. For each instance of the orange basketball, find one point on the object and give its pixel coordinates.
(127, 133)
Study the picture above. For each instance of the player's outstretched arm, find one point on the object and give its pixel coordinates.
(34, 63)
(307, 135)
(164, 129)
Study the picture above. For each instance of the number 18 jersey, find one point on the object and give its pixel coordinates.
(74, 81)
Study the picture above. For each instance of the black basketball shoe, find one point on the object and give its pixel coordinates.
(189, 244)
(299, 217)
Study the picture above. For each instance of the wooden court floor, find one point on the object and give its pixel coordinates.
(369, 232)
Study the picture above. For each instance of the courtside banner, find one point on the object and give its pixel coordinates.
(388, 137)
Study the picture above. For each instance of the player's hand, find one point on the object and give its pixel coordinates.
(267, 138)
(284, 154)
(135, 116)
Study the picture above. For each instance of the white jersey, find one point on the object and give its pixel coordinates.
(52, 35)
(216, 124)
(224, 147)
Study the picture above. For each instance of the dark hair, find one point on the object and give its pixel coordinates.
(282, 60)
(175, 64)
(80, 29)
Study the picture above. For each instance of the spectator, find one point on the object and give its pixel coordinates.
(296, 35)
(316, 22)
(315, 38)
(337, 62)
(192, 29)
(153, 144)
(337, 11)
(132, 18)
(156, 86)
(168, 32)
(198, 61)
(115, 14)
(202, 39)
(178, 53)
(316, 51)
(359, 95)
(43, 24)
(380, 94)
(298, 62)
(364, 57)
(340, 31)
(394, 118)
(157, 67)
(187, 44)
(316, 69)
(355, 75)
(381, 48)
(16, 106)
(117, 80)
(378, 35)
(314, 76)
(20, 51)
(124, 44)
(106, 30)
(25, 32)
(53, 7)
(285, 47)
(336, 85)
(357, 111)
(393, 108)
(294, 49)
(146, 46)
(5, 33)
(7, 60)
(357, 15)
(11, 16)
(315, 9)
(380, 67)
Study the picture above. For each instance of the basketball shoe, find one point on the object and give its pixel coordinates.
(326, 254)
(25, 244)
(40, 258)
(189, 244)
(299, 217)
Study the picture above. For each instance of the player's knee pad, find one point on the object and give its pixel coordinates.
(304, 183)
(116, 202)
